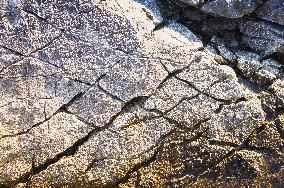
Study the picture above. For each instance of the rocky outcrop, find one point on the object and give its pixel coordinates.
(94, 94)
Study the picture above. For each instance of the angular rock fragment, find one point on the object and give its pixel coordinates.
(248, 63)
(208, 77)
(260, 72)
(272, 10)
(224, 52)
(269, 71)
(263, 37)
(229, 8)
(278, 88)
(269, 103)
(32, 91)
(109, 154)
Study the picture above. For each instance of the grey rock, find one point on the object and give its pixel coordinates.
(134, 77)
(208, 77)
(272, 10)
(229, 9)
(246, 55)
(218, 58)
(31, 92)
(213, 26)
(269, 71)
(28, 148)
(263, 37)
(230, 119)
(102, 104)
(223, 50)
(278, 88)
(261, 72)
(90, 96)
(189, 112)
(193, 2)
(248, 63)
(168, 96)
(13, 27)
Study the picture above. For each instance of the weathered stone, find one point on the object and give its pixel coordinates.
(171, 92)
(208, 77)
(278, 88)
(229, 8)
(261, 72)
(134, 77)
(127, 141)
(223, 50)
(32, 91)
(269, 71)
(190, 112)
(96, 107)
(39, 145)
(273, 11)
(16, 22)
(248, 63)
(269, 103)
(193, 2)
(237, 120)
(104, 94)
(263, 37)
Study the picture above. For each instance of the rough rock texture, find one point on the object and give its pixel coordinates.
(272, 10)
(265, 38)
(229, 8)
(131, 94)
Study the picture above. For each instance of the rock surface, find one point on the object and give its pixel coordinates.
(91, 96)
(272, 10)
(229, 8)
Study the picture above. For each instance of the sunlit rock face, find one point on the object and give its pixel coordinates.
(141, 93)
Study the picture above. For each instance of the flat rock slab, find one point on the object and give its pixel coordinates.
(90, 96)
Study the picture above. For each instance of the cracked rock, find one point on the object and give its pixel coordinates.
(168, 96)
(96, 107)
(123, 94)
(133, 77)
(235, 121)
